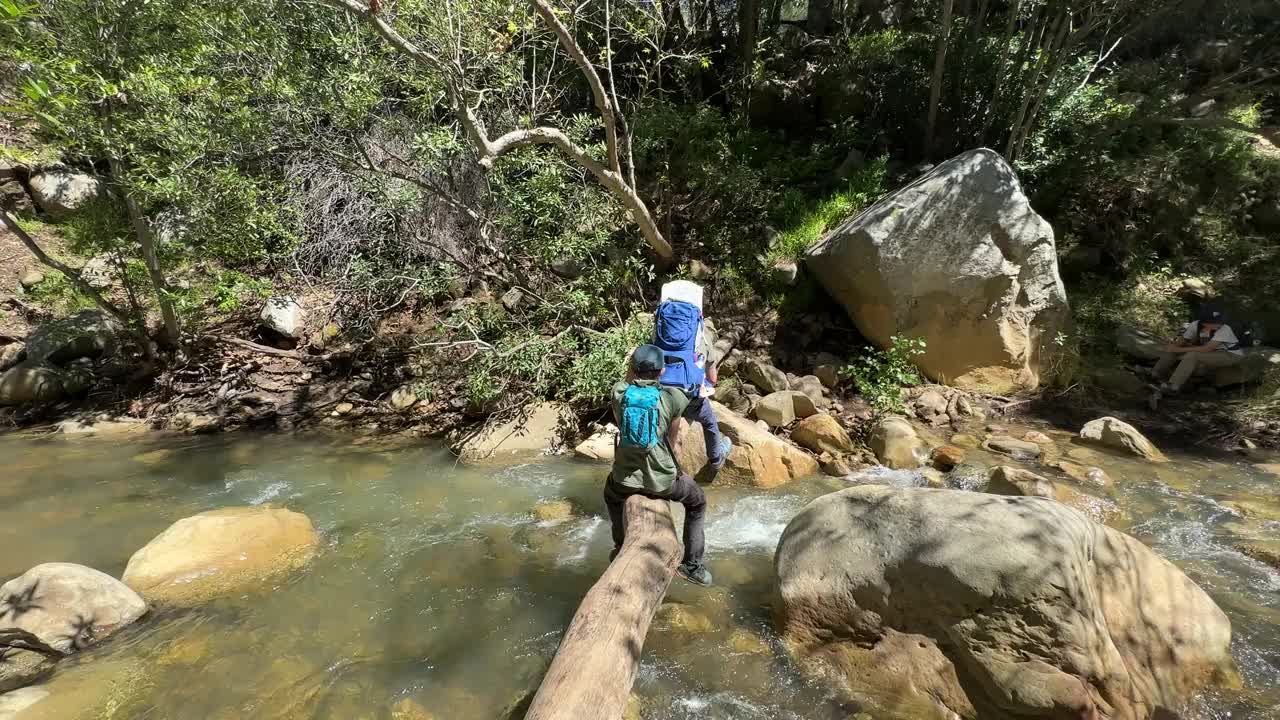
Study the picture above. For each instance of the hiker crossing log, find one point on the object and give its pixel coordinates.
(591, 675)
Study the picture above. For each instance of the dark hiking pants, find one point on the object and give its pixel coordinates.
(684, 491)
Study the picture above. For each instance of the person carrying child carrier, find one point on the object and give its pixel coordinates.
(650, 418)
(1208, 342)
(678, 330)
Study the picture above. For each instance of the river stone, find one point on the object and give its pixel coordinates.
(896, 444)
(931, 406)
(86, 334)
(947, 457)
(60, 193)
(20, 668)
(283, 315)
(537, 430)
(778, 409)
(31, 382)
(1115, 433)
(1005, 480)
(960, 259)
(552, 510)
(1013, 448)
(965, 440)
(13, 703)
(947, 601)
(600, 445)
(1080, 473)
(403, 397)
(758, 458)
(766, 377)
(222, 551)
(68, 606)
(822, 433)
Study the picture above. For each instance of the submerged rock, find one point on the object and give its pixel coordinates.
(552, 510)
(947, 457)
(68, 606)
(1120, 435)
(20, 668)
(537, 430)
(955, 603)
(221, 551)
(758, 459)
(960, 259)
(1013, 448)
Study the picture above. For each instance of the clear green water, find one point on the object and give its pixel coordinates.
(437, 585)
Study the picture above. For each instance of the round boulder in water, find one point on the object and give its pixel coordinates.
(68, 606)
(221, 551)
(926, 603)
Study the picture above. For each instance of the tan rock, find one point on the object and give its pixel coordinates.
(766, 377)
(960, 259)
(1013, 448)
(222, 551)
(683, 618)
(946, 457)
(1264, 551)
(1037, 437)
(777, 409)
(68, 606)
(834, 465)
(828, 375)
(1120, 435)
(758, 458)
(552, 510)
(1255, 508)
(965, 441)
(539, 429)
(1081, 473)
(1005, 480)
(822, 433)
(403, 397)
(599, 446)
(409, 709)
(933, 477)
(896, 444)
(1269, 468)
(1054, 611)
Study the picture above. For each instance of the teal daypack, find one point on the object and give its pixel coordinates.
(639, 417)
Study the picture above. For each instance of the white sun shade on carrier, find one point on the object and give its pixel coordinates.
(684, 291)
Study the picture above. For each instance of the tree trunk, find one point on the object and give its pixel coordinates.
(146, 242)
(591, 675)
(775, 16)
(935, 87)
(748, 24)
(818, 18)
(1000, 69)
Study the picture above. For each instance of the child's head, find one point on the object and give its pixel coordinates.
(647, 362)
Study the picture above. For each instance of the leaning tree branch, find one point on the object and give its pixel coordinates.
(489, 151)
(76, 279)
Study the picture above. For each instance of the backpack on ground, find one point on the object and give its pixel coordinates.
(640, 417)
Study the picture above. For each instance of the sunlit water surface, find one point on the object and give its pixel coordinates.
(437, 586)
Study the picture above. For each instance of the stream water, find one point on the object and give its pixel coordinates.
(437, 590)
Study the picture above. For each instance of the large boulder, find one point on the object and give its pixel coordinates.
(223, 551)
(283, 315)
(88, 333)
(929, 603)
(67, 606)
(777, 409)
(896, 444)
(31, 382)
(960, 259)
(60, 193)
(1120, 435)
(758, 458)
(536, 430)
(822, 433)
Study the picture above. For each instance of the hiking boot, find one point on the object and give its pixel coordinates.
(696, 574)
(725, 446)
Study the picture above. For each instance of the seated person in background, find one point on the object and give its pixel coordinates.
(1208, 343)
(650, 418)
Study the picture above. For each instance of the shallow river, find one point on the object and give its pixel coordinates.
(438, 590)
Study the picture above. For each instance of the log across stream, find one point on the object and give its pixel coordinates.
(592, 673)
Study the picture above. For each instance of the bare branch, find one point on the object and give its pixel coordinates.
(593, 79)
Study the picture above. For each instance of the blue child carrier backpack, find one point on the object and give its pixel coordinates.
(640, 417)
(676, 328)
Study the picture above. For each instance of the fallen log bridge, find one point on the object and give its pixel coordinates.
(591, 675)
